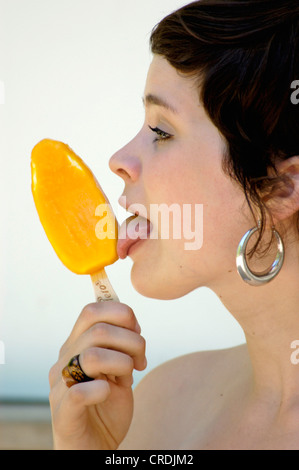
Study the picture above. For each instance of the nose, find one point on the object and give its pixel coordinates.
(126, 164)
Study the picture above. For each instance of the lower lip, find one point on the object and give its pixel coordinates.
(135, 246)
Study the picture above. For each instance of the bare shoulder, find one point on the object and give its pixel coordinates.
(173, 395)
(192, 368)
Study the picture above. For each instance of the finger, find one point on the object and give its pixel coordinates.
(103, 335)
(96, 361)
(85, 394)
(114, 313)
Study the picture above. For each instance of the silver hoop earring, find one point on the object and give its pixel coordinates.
(255, 279)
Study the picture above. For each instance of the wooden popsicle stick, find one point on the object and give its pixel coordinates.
(102, 288)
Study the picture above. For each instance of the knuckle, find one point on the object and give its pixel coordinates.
(127, 313)
(100, 331)
(88, 312)
(89, 358)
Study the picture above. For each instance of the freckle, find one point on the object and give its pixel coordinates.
(221, 394)
(230, 270)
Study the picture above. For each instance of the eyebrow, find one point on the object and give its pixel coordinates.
(157, 101)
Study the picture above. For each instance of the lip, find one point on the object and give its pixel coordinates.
(131, 248)
(129, 237)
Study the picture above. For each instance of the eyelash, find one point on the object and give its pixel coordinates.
(161, 135)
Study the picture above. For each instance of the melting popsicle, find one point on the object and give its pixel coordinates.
(75, 213)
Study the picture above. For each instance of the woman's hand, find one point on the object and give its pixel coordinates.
(97, 414)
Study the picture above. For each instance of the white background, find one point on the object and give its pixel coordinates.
(74, 70)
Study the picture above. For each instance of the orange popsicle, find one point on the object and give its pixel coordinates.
(75, 213)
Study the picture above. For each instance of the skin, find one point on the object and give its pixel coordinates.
(240, 398)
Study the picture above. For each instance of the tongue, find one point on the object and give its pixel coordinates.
(133, 229)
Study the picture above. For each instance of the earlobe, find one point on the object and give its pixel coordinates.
(284, 200)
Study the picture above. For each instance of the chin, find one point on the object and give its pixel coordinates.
(157, 287)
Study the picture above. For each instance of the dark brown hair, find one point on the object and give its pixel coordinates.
(245, 55)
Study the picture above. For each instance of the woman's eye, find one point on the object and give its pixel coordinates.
(161, 135)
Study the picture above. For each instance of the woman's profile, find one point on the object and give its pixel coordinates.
(221, 129)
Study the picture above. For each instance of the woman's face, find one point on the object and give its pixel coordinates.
(175, 162)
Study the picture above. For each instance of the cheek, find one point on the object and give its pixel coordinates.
(171, 178)
(192, 176)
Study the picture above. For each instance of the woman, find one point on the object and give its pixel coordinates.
(221, 129)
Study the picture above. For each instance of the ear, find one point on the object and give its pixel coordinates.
(283, 203)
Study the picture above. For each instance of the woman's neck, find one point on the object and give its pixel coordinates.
(269, 317)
